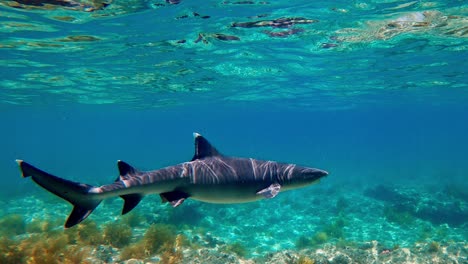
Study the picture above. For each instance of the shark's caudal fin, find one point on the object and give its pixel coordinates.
(74, 192)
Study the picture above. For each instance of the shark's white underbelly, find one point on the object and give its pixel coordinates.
(233, 193)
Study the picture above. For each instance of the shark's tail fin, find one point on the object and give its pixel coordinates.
(75, 193)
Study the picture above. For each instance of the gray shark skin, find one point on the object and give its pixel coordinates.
(208, 177)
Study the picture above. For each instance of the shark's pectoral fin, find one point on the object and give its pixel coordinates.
(271, 191)
(175, 198)
(130, 202)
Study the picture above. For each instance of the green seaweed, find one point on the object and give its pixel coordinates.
(441, 232)
(332, 230)
(157, 235)
(12, 225)
(343, 243)
(172, 254)
(133, 219)
(46, 247)
(87, 233)
(117, 234)
(402, 218)
(135, 251)
(304, 260)
(320, 238)
(303, 242)
(433, 247)
(237, 248)
(10, 253)
(40, 226)
(425, 232)
(158, 239)
(335, 229)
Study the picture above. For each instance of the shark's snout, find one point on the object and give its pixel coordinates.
(312, 173)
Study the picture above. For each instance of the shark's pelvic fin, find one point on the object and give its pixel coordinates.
(271, 191)
(203, 148)
(75, 193)
(175, 198)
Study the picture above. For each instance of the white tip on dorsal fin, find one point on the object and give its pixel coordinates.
(203, 148)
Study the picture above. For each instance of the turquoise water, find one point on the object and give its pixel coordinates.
(374, 92)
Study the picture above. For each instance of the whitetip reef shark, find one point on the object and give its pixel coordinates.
(208, 177)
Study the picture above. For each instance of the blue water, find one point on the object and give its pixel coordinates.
(375, 92)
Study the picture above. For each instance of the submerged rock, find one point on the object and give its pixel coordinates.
(134, 261)
(373, 252)
(405, 203)
(206, 255)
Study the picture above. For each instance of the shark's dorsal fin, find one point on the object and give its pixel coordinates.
(203, 148)
(125, 168)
